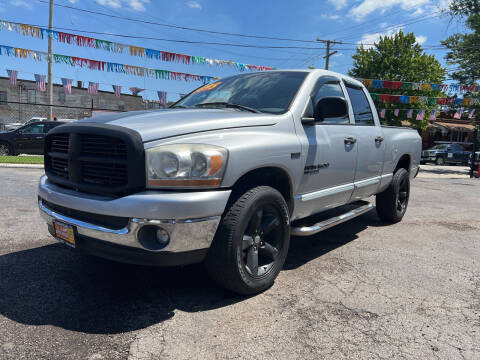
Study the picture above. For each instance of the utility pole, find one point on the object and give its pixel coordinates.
(328, 53)
(50, 80)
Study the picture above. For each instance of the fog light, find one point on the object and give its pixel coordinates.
(153, 237)
(162, 236)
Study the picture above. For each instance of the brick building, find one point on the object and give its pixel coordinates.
(21, 102)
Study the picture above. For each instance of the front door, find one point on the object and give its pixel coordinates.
(331, 155)
(29, 140)
(371, 144)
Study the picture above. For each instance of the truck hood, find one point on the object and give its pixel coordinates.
(159, 124)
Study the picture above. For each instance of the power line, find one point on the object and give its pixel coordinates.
(178, 40)
(178, 26)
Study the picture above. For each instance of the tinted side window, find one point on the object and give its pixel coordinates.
(327, 90)
(361, 107)
(35, 129)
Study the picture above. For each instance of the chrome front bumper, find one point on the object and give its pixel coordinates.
(185, 235)
(187, 232)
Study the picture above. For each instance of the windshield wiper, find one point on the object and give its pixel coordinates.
(229, 105)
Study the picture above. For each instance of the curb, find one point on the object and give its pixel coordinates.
(24, 166)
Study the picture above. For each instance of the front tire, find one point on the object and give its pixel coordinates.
(251, 243)
(440, 161)
(392, 203)
(6, 150)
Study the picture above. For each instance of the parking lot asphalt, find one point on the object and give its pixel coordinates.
(361, 290)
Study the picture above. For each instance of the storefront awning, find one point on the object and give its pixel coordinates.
(461, 127)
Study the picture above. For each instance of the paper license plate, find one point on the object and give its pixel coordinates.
(64, 232)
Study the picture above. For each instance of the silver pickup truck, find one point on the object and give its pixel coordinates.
(227, 174)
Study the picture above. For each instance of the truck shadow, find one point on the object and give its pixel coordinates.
(53, 285)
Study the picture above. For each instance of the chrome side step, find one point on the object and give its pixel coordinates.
(364, 207)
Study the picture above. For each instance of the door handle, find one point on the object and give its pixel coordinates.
(379, 139)
(349, 140)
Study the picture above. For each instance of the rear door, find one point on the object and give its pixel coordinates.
(332, 154)
(370, 142)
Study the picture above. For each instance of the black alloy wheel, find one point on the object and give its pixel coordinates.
(251, 243)
(403, 195)
(261, 240)
(393, 201)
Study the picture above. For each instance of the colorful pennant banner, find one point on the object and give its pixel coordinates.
(405, 85)
(84, 41)
(105, 65)
(407, 99)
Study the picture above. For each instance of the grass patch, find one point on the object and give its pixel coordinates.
(21, 159)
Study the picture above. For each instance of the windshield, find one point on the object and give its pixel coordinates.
(268, 92)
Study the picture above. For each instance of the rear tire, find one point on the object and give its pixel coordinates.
(251, 243)
(392, 203)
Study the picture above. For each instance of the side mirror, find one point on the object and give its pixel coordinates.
(331, 107)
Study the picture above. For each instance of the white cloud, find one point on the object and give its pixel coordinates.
(421, 39)
(116, 4)
(136, 5)
(369, 39)
(339, 4)
(22, 3)
(368, 7)
(331, 17)
(72, 1)
(383, 25)
(193, 4)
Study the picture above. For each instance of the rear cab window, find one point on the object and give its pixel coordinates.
(361, 107)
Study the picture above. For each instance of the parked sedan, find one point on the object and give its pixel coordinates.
(27, 139)
(446, 154)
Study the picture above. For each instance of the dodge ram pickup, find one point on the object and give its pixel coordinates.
(227, 174)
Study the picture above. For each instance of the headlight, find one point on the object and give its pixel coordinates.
(185, 165)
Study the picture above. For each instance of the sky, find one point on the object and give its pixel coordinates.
(349, 21)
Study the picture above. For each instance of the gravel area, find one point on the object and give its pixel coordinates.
(361, 290)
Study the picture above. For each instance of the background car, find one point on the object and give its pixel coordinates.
(27, 139)
(446, 154)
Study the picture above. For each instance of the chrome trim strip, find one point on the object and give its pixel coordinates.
(326, 224)
(325, 192)
(385, 176)
(81, 223)
(367, 182)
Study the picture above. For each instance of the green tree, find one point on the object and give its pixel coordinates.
(399, 58)
(465, 48)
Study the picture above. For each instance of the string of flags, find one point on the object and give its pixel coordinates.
(92, 88)
(407, 99)
(85, 41)
(421, 113)
(407, 85)
(104, 65)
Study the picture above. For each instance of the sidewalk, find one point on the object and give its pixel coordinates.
(27, 166)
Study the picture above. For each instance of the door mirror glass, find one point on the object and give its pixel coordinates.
(331, 107)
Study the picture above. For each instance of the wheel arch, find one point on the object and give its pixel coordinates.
(273, 176)
(404, 162)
